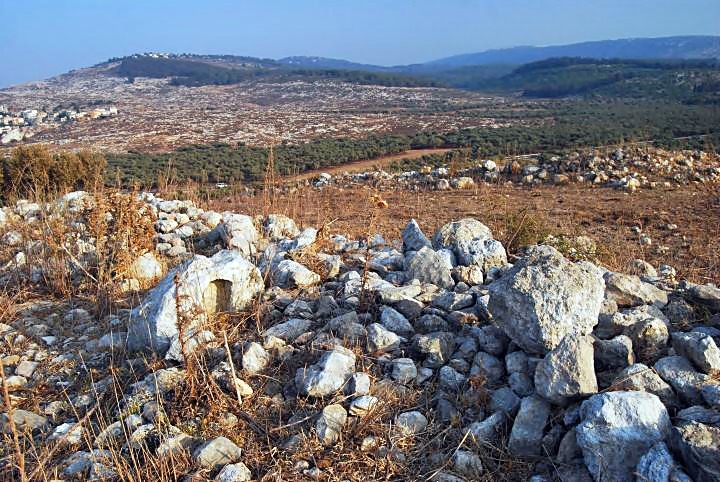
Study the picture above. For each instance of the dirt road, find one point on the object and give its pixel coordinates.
(367, 164)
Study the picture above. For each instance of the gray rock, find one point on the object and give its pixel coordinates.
(458, 232)
(711, 394)
(255, 358)
(359, 384)
(429, 266)
(380, 339)
(403, 370)
(363, 405)
(467, 464)
(529, 426)
(437, 347)
(395, 321)
(330, 424)
(450, 379)
(568, 449)
(413, 237)
(289, 330)
(238, 232)
(504, 400)
(216, 453)
(347, 327)
(26, 368)
(488, 367)
(278, 227)
(649, 338)
(642, 378)
(225, 282)
(545, 297)
(488, 431)
(706, 295)
(681, 375)
(699, 448)
(629, 290)
(291, 274)
(451, 301)
(521, 384)
(614, 353)
(516, 362)
(483, 253)
(700, 349)
(328, 375)
(696, 413)
(617, 429)
(656, 465)
(491, 339)
(25, 422)
(145, 268)
(567, 372)
(234, 473)
(429, 323)
(410, 423)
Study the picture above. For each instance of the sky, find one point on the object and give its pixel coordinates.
(42, 38)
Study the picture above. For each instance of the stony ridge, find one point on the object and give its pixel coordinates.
(578, 372)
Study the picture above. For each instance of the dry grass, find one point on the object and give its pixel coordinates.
(605, 215)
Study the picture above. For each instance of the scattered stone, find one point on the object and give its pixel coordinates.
(330, 424)
(410, 423)
(216, 452)
(628, 291)
(328, 375)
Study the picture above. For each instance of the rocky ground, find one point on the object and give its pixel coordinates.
(144, 337)
(629, 169)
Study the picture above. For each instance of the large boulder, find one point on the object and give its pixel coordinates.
(201, 286)
(617, 429)
(545, 297)
(429, 266)
(460, 232)
(568, 371)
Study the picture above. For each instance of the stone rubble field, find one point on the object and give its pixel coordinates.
(628, 169)
(270, 352)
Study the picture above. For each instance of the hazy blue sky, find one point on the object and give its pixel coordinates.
(41, 38)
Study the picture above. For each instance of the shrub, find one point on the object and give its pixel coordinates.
(33, 171)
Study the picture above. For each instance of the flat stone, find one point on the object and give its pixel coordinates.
(699, 348)
(681, 375)
(410, 423)
(629, 290)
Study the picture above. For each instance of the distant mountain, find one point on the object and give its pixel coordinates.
(687, 47)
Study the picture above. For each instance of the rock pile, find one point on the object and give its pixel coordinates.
(581, 372)
(628, 169)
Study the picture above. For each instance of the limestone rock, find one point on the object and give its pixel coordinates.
(328, 375)
(568, 371)
(529, 426)
(429, 266)
(545, 297)
(617, 429)
(225, 282)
